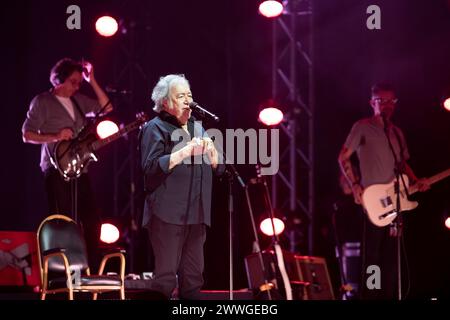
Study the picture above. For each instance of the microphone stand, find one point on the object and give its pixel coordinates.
(339, 253)
(276, 244)
(257, 248)
(398, 223)
(231, 173)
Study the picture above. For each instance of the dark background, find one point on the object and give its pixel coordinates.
(224, 49)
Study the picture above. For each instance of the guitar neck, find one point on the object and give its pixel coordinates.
(100, 143)
(433, 179)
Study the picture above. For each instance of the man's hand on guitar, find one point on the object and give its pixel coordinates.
(64, 134)
(422, 184)
(357, 193)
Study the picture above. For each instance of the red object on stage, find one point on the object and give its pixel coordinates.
(18, 259)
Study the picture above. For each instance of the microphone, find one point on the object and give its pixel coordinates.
(384, 116)
(195, 107)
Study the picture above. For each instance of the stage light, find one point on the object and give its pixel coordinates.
(270, 8)
(446, 104)
(106, 128)
(106, 26)
(447, 223)
(267, 229)
(271, 116)
(445, 98)
(109, 233)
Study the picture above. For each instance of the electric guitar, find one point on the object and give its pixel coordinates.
(380, 200)
(70, 157)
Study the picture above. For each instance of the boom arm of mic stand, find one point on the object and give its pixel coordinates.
(256, 245)
(235, 174)
(103, 108)
(277, 247)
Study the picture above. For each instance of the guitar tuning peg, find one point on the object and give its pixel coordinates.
(258, 170)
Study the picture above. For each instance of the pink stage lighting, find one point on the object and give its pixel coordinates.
(266, 226)
(271, 116)
(109, 233)
(447, 223)
(447, 104)
(271, 8)
(106, 128)
(106, 26)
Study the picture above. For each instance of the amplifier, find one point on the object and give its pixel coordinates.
(310, 272)
(314, 271)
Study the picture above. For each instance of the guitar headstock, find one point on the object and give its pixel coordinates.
(142, 117)
(258, 170)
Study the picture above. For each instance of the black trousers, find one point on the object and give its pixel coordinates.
(379, 249)
(178, 252)
(59, 196)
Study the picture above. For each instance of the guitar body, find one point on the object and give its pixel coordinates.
(72, 156)
(380, 202)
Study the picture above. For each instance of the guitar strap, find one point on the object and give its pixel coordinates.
(77, 106)
(400, 143)
(87, 123)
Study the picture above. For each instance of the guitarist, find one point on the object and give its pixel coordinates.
(59, 114)
(368, 140)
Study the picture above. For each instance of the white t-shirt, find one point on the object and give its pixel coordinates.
(68, 105)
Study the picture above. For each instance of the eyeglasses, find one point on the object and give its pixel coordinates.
(385, 101)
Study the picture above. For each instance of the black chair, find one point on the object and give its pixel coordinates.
(64, 265)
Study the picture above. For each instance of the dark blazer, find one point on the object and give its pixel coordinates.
(181, 195)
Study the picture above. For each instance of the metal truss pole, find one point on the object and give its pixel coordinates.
(293, 86)
(128, 75)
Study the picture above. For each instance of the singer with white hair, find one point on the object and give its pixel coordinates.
(178, 186)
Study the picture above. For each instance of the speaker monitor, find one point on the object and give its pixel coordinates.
(311, 271)
(255, 274)
(314, 271)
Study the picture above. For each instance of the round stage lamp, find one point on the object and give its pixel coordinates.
(446, 104)
(106, 128)
(106, 26)
(270, 8)
(271, 116)
(267, 229)
(447, 223)
(109, 233)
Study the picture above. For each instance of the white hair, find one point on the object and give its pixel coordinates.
(162, 89)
